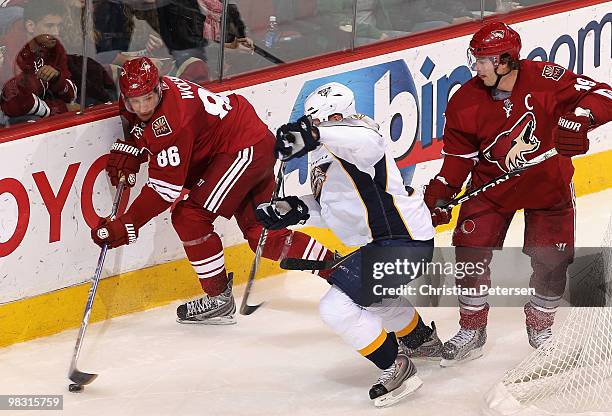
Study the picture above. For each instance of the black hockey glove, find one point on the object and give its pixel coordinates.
(282, 213)
(296, 139)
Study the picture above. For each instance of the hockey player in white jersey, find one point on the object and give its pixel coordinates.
(358, 192)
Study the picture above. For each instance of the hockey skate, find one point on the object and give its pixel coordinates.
(395, 382)
(207, 310)
(466, 345)
(430, 349)
(538, 324)
(537, 338)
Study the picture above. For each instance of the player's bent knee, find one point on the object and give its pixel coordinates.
(549, 272)
(252, 234)
(550, 257)
(338, 311)
(191, 221)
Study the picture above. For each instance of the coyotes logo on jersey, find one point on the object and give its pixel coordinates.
(510, 147)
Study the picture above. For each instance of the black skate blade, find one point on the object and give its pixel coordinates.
(81, 378)
(249, 309)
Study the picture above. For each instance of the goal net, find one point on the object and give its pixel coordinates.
(571, 374)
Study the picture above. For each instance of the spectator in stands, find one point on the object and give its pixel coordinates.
(114, 22)
(179, 23)
(100, 87)
(373, 14)
(419, 15)
(373, 19)
(235, 36)
(41, 86)
(181, 26)
(236, 39)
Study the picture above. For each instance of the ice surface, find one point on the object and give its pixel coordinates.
(281, 360)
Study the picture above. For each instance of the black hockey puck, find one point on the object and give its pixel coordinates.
(75, 388)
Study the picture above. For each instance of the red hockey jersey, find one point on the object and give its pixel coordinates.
(32, 57)
(189, 127)
(503, 134)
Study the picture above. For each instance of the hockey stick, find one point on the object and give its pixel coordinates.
(290, 263)
(301, 264)
(267, 55)
(81, 378)
(500, 179)
(245, 308)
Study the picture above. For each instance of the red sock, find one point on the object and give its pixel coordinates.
(295, 244)
(206, 257)
(538, 319)
(473, 319)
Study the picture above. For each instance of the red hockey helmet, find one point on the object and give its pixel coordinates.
(493, 40)
(138, 77)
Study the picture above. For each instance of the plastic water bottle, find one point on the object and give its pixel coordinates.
(272, 33)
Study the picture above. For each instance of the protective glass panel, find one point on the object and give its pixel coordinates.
(289, 30)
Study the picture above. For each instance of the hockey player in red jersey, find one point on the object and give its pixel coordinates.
(512, 111)
(219, 149)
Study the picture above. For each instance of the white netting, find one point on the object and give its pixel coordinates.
(572, 372)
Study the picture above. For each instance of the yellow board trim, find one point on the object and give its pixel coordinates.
(159, 285)
(374, 345)
(130, 292)
(410, 327)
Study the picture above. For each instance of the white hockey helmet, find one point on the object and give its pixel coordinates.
(328, 99)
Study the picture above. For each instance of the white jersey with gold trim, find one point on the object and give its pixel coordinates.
(358, 191)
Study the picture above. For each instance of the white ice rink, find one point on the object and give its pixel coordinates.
(281, 360)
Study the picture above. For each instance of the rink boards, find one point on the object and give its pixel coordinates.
(53, 187)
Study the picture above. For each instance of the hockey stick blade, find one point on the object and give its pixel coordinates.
(247, 309)
(81, 378)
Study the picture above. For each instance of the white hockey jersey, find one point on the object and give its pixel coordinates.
(357, 189)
